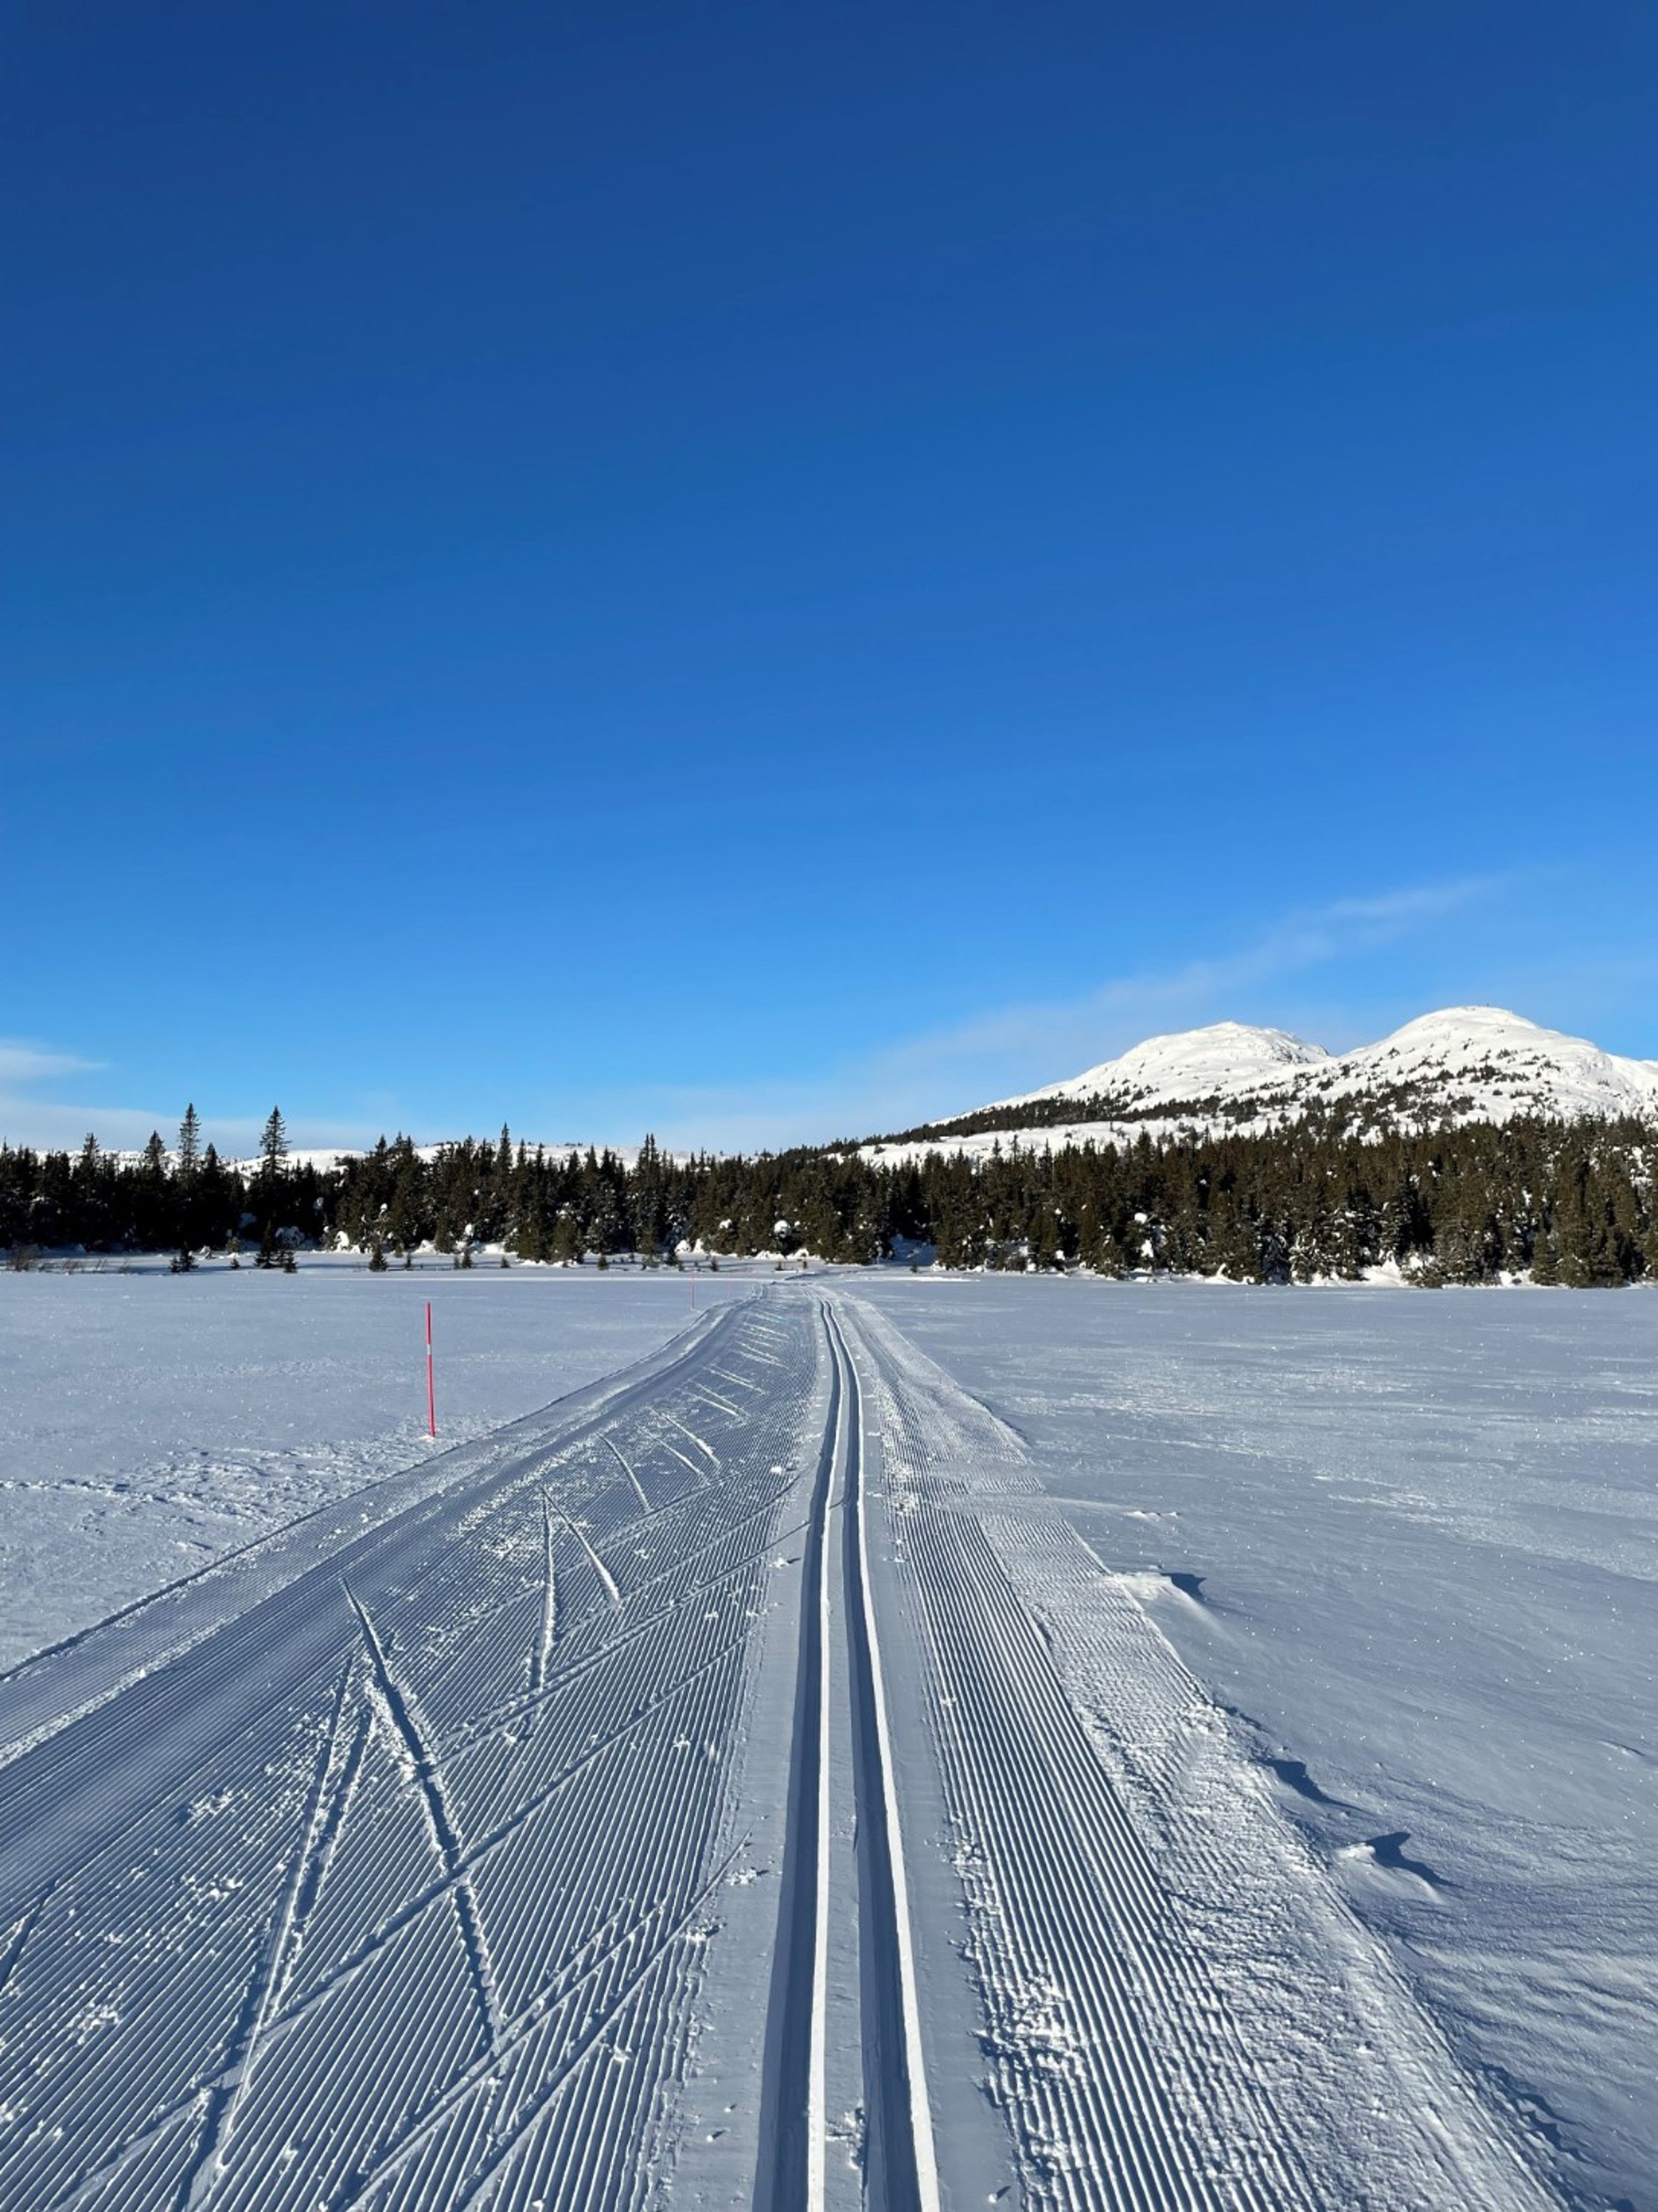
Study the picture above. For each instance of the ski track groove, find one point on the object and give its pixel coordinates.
(902, 2155)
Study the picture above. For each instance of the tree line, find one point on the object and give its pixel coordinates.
(1567, 1203)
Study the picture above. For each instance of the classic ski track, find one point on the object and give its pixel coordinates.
(902, 2161)
(790, 2163)
(901, 2175)
(301, 1899)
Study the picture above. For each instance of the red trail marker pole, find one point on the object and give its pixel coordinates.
(431, 1391)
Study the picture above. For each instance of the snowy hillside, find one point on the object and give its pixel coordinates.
(1464, 1064)
(1192, 1064)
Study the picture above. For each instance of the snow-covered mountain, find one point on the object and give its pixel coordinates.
(1192, 1064)
(1464, 1064)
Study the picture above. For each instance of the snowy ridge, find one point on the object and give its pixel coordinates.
(1464, 1064)
(1189, 1064)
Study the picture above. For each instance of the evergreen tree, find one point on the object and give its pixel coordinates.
(187, 1160)
(187, 1166)
(272, 1153)
(272, 1145)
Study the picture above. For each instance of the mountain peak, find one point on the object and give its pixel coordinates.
(1456, 1065)
(1189, 1064)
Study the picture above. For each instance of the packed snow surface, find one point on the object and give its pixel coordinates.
(1464, 1064)
(905, 1741)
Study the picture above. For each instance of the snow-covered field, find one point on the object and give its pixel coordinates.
(914, 1740)
(1412, 1541)
(154, 1422)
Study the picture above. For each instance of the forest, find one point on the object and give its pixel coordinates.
(1569, 1203)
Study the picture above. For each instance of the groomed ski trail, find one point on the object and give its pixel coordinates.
(304, 1914)
(410, 1881)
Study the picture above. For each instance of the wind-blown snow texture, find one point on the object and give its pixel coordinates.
(1464, 1064)
(769, 1775)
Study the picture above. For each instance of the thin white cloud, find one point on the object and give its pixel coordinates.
(1004, 1050)
(1112, 1018)
(1016, 1048)
(23, 1062)
(33, 1112)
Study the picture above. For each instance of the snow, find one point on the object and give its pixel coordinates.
(1189, 1064)
(1418, 1540)
(1463, 1064)
(155, 1421)
(1174, 1742)
(1505, 1065)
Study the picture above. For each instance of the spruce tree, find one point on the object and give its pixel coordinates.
(272, 1152)
(187, 1162)
(272, 1145)
(187, 1165)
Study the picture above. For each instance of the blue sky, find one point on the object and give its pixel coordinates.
(758, 572)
